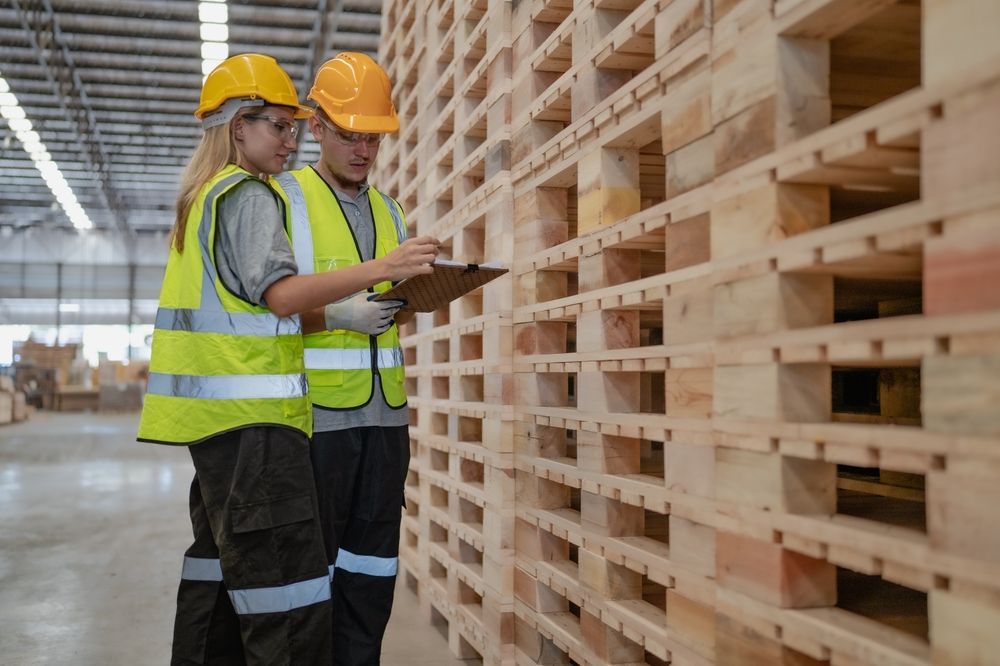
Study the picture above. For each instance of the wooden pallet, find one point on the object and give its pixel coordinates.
(736, 401)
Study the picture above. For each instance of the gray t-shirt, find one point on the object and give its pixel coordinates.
(251, 246)
(358, 212)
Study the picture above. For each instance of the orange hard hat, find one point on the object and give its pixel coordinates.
(250, 79)
(355, 93)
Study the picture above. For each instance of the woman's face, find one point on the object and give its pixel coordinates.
(266, 137)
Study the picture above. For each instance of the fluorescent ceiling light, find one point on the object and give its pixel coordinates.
(214, 32)
(213, 12)
(11, 110)
(214, 15)
(218, 51)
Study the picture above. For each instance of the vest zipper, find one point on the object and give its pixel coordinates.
(373, 340)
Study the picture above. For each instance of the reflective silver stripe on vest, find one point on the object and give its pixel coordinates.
(201, 568)
(302, 243)
(351, 359)
(396, 219)
(228, 323)
(227, 387)
(366, 564)
(281, 599)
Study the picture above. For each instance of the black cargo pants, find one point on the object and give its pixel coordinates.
(255, 584)
(360, 474)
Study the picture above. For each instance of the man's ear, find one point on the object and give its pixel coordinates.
(315, 127)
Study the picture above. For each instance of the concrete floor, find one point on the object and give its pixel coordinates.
(93, 528)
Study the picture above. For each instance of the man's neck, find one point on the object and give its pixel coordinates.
(347, 188)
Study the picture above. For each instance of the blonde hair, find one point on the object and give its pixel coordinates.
(216, 149)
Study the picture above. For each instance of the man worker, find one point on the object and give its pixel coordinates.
(353, 359)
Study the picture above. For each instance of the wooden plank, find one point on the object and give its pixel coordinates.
(826, 19)
(737, 643)
(772, 574)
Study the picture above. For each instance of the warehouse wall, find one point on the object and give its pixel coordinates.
(736, 401)
(99, 271)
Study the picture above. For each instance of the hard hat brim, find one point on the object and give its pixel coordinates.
(368, 124)
(303, 112)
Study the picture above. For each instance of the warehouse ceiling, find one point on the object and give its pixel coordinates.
(110, 86)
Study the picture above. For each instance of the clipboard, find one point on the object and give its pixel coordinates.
(450, 279)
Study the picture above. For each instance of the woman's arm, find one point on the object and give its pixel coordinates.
(293, 294)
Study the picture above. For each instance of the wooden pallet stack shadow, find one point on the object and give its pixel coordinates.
(737, 402)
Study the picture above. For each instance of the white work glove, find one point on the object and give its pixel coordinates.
(360, 313)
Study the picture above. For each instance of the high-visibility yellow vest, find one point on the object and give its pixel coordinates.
(218, 362)
(340, 364)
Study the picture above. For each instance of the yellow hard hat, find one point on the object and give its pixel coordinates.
(355, 93)
(249, 79)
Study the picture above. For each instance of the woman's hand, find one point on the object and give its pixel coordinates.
(413, 257)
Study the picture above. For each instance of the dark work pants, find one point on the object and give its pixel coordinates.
(359, 481)
(255, 584)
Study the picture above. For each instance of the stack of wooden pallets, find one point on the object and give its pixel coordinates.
(450, 168)
(738, 401)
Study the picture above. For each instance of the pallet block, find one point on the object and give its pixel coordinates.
(959, 392)
(766, 214)
(693, 623)
(772, 302)
(611, 646)
(963, 628)
(773, 574)
(775, 482)
(537, 648)
(970, 255)
(773, 391)
(692, 546)
(954, 524)
(959, 39)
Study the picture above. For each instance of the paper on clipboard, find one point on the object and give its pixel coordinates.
(450, 279)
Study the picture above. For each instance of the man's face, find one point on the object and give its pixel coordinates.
(347, 156)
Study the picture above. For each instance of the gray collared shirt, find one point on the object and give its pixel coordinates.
(251, 245)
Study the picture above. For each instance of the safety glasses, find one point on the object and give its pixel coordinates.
(351, 138)
(281, 128)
